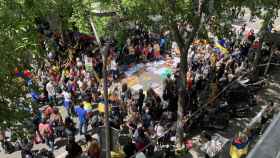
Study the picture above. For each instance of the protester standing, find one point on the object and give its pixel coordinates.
(82, 115)
(51, 91)
(47, 132)
(67, 101)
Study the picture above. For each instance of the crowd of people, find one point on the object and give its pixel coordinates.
(63, 80)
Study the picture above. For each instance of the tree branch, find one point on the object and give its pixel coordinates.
(104, 14)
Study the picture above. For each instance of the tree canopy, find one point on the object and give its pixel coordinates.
(19, 37)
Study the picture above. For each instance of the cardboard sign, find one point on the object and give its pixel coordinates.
(88, 64)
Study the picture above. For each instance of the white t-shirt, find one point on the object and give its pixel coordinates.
(140, 155)
(197, 76)
(113, 65)
(67, 96)
(97, 137)
(79, 64)
(80, 83)
(159, 131)
(207, 56)
(206, 70)
(174, 45)
(50, 89)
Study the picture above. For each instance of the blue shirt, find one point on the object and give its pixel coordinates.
(162, 42)
(29, 82)
(34, 96)
(82, 114)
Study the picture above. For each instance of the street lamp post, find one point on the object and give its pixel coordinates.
(104, 51)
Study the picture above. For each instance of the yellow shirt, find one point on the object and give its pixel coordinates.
(213, 59)
(156, 47)
(87, 105)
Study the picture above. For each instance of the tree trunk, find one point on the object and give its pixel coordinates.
(182, 81)
(269, 60)
(182, 99)
(184, 46)
(264, 35)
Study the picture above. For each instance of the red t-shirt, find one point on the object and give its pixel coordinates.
(189, 83)
(146, 51)
(256, 45)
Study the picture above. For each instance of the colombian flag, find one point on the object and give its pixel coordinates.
(222, 49)
(237, 153)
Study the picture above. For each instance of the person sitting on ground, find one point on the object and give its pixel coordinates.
(150, 52)
(140, 138)
(156, 51)
(129, 149)
(145, 52)
(93, 148)
(74, 150)
(26, 147)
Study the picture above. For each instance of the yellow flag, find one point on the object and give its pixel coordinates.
(222, 49)
(237, 153)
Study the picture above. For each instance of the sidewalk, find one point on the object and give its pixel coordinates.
(268, 144)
